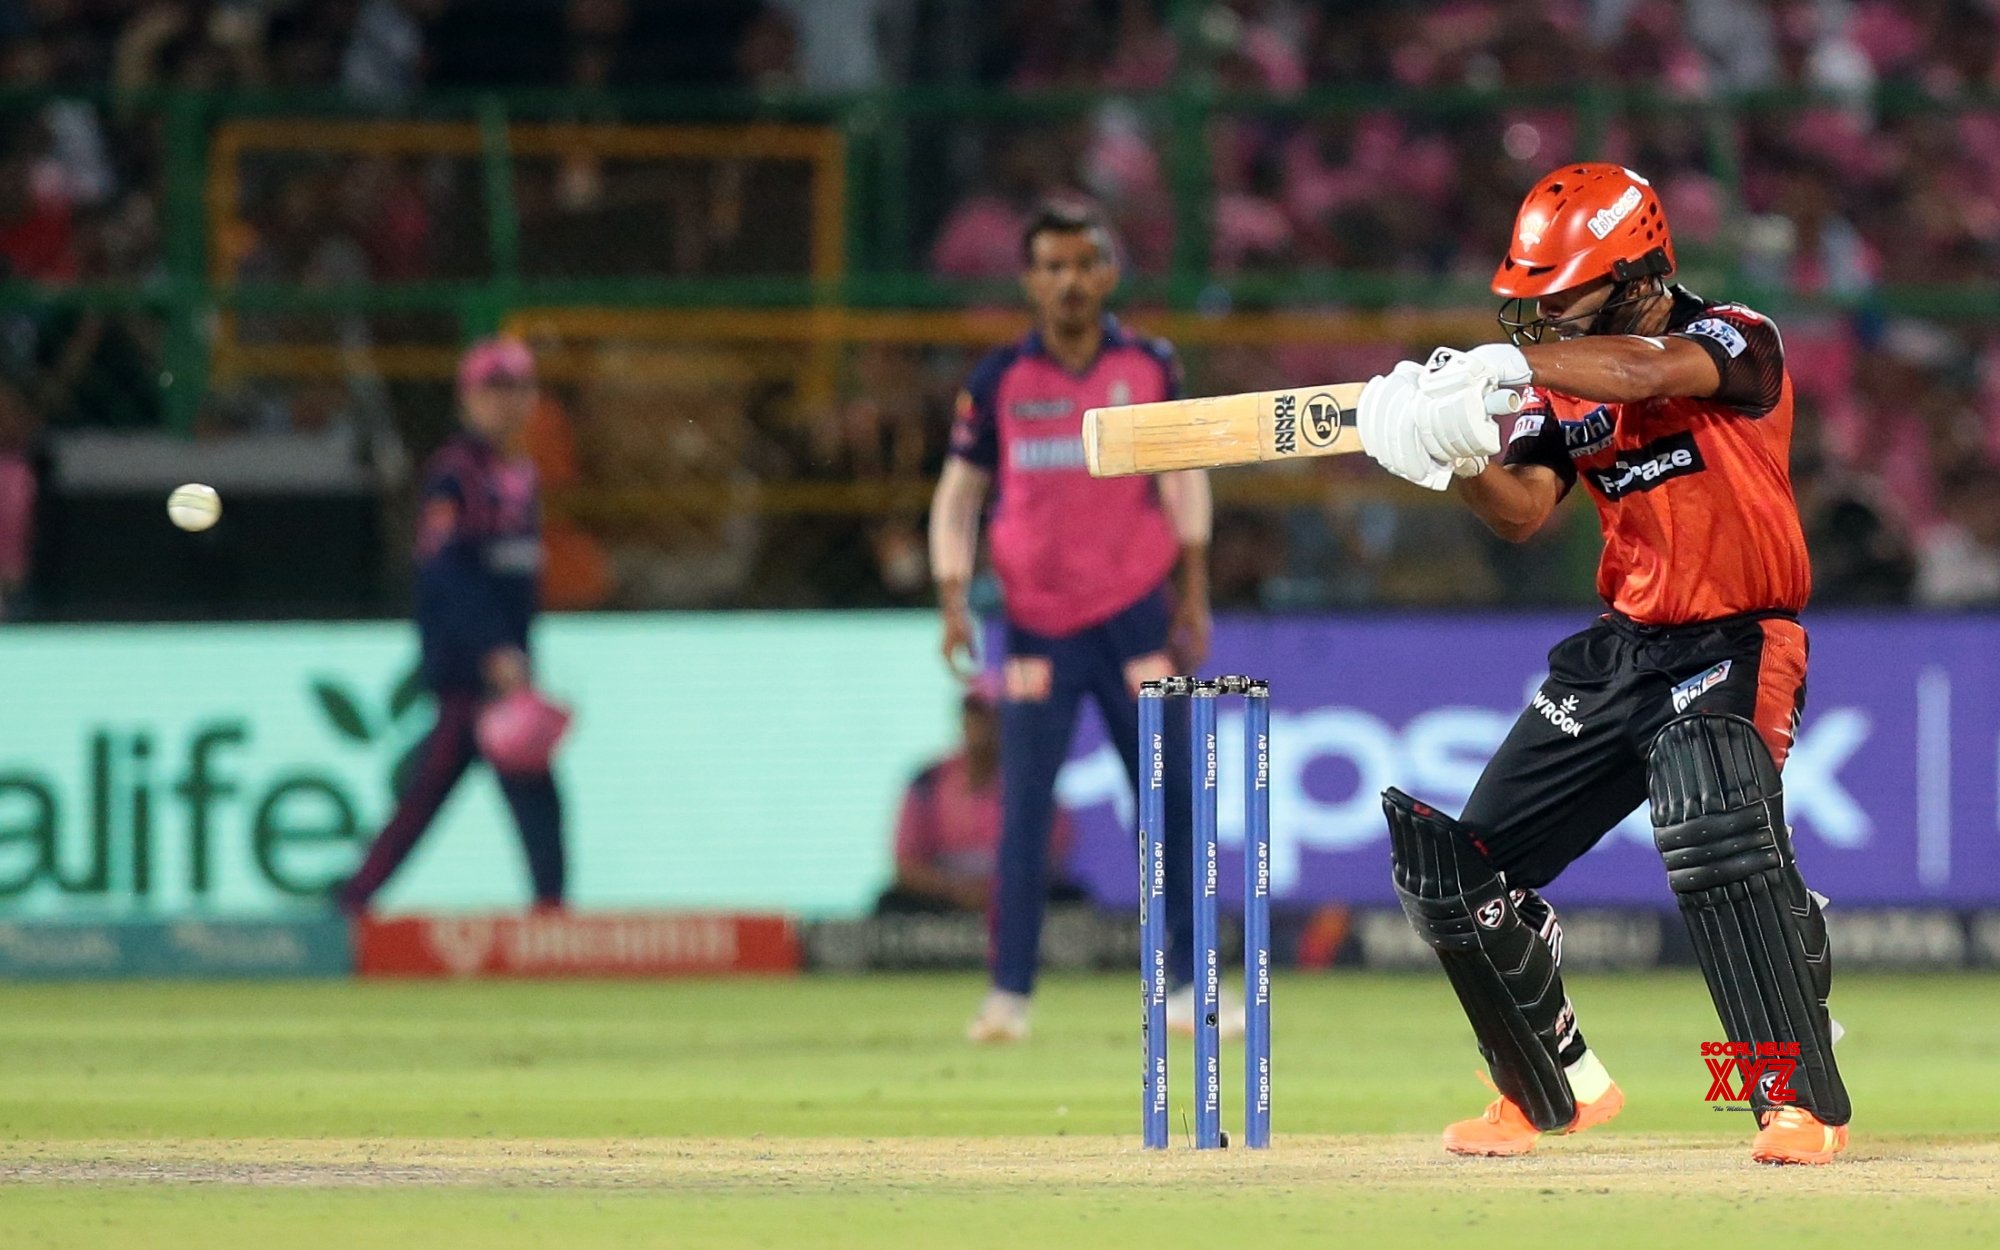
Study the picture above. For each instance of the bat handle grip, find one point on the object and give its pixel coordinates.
(1503, 403)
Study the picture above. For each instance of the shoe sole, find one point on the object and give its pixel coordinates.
(1490, 1150)
(1775, 1157)
(1587, 1117)
(1779, 1156)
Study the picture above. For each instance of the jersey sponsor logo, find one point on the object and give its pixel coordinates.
(1720, 331)
(1606, 219)
(1285, 425)
(1034, 455)
(1590, 433)
(1324, 420)
(1659, 461)
(1561, 715)
(1526, 427)
(1046, 409)
(1700, 684)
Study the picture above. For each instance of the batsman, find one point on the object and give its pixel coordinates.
(1675, 415)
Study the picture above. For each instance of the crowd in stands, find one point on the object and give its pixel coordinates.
(1839, 158)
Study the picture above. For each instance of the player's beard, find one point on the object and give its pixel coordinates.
(1623, 311)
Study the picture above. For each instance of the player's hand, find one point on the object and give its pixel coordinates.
(505, 670)
(1454, 418)
(1499, 366)
(1189, 633)
(1504, 363)
(971, 895)
(961, 638)
(1386, 419)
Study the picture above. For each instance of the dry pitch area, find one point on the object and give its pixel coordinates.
(846, 1113)
(1625, 1163)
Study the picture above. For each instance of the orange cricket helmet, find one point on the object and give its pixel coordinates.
(1581, 224)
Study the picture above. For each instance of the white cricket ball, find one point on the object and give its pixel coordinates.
(194, 507)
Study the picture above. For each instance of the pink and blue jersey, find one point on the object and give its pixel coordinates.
(479, 558)
(1071, 550)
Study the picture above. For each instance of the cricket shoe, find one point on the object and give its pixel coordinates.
(1795, 1135)
(1180, 1013)
(1505, 1129)
(1002, 1018)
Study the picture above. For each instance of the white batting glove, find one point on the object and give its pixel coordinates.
(1506, 363)
(1451, 416)
(1385, 420)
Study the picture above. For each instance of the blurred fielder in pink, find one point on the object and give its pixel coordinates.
(479, 561)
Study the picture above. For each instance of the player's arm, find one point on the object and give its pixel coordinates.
(1517, 492)
(1623, 368)
(956, 507)
(1729, 354)
(954, 546)
(1514, 500)
(471, 617)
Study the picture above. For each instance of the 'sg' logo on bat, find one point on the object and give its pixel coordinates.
(1322, 423)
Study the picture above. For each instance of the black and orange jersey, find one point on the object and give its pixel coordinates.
(1694, 494)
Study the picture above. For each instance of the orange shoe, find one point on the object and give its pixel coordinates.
(1795, 1135)
(1598, 1110)
(1504, 1129)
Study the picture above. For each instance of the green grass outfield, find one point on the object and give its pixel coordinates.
(847, 1112)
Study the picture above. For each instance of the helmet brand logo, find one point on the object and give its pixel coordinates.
(1605, 220)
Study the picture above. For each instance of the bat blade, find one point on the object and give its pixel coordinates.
(1222, 430)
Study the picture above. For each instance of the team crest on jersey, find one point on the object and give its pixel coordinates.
(1590, 433)
(1700, 684)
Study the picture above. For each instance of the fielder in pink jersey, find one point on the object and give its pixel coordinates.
(1105, 581)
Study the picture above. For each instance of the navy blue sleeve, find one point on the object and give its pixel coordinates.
(1175, 384)
(975, 426)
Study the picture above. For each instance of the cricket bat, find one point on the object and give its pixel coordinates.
(1232, 429)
